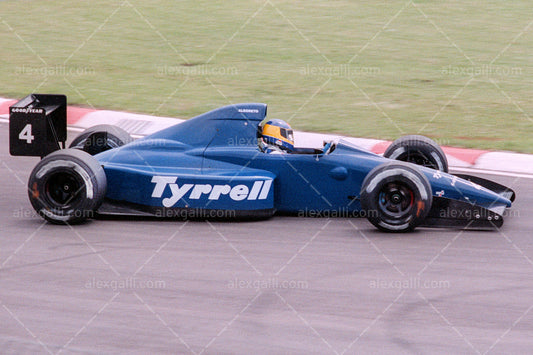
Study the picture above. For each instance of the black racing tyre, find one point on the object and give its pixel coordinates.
(418, 150)
(67, 186)
(100, 138)
(396, 197)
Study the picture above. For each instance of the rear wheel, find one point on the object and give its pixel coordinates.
(67, 186)
(100, 138)
(418, 150)
(396, 197)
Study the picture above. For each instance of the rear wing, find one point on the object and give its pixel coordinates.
(37, 125)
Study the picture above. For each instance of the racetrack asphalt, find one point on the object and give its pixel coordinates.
(283, 285)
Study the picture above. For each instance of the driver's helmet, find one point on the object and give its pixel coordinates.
(278, 133)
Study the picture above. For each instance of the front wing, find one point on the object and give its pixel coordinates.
(448, 213)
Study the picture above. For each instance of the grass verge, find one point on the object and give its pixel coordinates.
(459, 72)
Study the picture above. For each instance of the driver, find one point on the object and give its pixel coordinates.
(276, 137)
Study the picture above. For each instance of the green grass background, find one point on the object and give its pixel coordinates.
(419, 67)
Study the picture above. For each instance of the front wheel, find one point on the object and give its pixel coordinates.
(396, 197)
(418, 150)
(67, 186)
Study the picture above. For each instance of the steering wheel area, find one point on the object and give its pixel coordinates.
(329, 147)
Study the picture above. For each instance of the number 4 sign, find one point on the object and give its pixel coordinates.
(26, 135)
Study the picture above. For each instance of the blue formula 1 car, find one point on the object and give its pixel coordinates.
(211, 166)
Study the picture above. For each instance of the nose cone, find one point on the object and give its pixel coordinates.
(450, 186)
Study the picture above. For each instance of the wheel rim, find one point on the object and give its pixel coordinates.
(63, 189)
(396, 200)
(418, 158)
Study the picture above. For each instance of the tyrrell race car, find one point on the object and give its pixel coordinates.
(211, 166)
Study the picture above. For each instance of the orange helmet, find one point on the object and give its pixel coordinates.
(278, 133)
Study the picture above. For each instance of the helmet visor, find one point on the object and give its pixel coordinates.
(287, 134)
